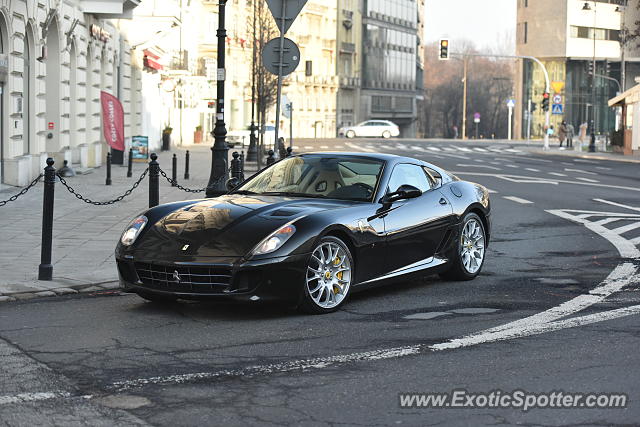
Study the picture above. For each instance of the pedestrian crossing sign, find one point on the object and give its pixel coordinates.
(557, 109)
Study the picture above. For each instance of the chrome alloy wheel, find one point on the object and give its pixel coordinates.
(328, 275)
(472, 246)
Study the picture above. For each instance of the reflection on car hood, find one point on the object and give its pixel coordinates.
(227, 226)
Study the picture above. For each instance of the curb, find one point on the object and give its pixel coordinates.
(73, 289)
(585, 156)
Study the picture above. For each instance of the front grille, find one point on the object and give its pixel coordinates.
(184, 278)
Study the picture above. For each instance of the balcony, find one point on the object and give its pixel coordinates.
(109, 9)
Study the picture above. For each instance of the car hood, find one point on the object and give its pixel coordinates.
(227, 226)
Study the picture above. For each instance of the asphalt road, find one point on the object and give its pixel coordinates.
(563, 258)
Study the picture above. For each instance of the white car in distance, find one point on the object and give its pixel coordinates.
(371, 128)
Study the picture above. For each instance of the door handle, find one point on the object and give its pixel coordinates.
(443, 201)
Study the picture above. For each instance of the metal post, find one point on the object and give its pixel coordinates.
(592, 143)
(281, 55)
(242, 166)
(219, 158)
(236, 170)
(154, 181)
(174, 170)
(291, 124)
(270, 160)
(529, 120)
(130, 164)
(510, 117)
(464, 99)
(108, 181)
(186, 166)
(45, 269)
(289, 151)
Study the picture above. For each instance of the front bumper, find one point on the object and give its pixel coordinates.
(274, 279)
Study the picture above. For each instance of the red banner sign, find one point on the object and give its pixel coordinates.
(112, 120)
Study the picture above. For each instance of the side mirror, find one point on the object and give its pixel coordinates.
(232, 183)
(403, 192)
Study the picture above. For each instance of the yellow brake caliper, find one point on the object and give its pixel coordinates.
(336, 262)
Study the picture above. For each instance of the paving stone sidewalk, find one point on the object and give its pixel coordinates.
(84, 236)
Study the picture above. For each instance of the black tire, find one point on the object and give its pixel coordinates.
(350, 134)
(386, 134)
(457, 269)
(157, 298)
(308, 304)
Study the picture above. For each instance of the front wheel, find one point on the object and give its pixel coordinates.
(470, 250)
(386, 134)
(350, 134)
(329, 276)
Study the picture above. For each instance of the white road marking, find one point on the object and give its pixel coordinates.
(511, 150)
(464, 149)
(518, 200)
(338, 146)
(526, 179)
(433, 149)
(620, 205)
(479, 160)
(532, 170)
(587, 179)
(324, 147)
(579, 171)
(308, 147)
(495, 163)
(512, 166)
(557, 174)
(478, 166)
(585, 161)
(603, 168)
(33, 397)
(417, 148)
(358, 147)
(482, 150)
(515, 178)
(492, 191)
(626, 228)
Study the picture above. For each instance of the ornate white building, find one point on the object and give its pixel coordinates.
(55, 58)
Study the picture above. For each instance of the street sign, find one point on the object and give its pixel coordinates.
(511, 103)
(557, 109)
(290, 56)
(476, 118)
(557, 99)
(292, 10)
(286, 112)
(557, 86)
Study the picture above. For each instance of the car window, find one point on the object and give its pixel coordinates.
(434, 177)
(369, 124)
(407, 174)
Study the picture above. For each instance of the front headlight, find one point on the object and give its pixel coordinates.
(275, 240)
(133, 230)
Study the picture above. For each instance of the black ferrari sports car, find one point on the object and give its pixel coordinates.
(310, 230)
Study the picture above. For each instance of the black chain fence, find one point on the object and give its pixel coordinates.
(190, 190)
(109, 202)
(22, 192)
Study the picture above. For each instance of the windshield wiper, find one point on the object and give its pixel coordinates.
(243, 192)
(294, 194)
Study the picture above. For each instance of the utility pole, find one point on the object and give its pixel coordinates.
(529, 120)
(464, 98)
(219, 157)
(252, 151)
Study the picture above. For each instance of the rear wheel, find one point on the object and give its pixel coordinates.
(328, 278)
(470, 250)
(350, 134)
(386, 134)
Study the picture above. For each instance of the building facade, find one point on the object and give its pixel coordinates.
(58, 57)
(380, 79)
(561, 34)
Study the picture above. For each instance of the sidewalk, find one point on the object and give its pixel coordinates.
(555, 150)
(84, 236)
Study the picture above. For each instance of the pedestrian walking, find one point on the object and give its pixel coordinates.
(550, 131)
(570, 133)
(455, 132)
(562, 132)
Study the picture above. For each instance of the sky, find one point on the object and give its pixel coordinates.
(483, 21)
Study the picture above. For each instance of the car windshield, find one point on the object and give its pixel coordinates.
(336, 177)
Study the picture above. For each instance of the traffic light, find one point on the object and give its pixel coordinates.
(589, 67)
(444, 49)
(545, 101)
(607, 67)
(533, 106)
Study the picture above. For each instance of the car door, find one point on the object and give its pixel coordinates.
(415, 227)
(368, 129)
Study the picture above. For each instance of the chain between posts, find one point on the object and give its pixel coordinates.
(22, 192)
(189, 190)
(109, 202)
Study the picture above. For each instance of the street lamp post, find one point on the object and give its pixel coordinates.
(252, 151)
(219, 160)
(592, 142)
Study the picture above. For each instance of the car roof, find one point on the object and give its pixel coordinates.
(389, 158)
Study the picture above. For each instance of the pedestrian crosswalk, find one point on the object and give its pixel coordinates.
(451, 150)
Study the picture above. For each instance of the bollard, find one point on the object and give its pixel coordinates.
(108, 182)
(242, 165)
(174, 170)
(45, 270)
(270, 159)
(154, 181)
(130, 164)
(186, 165)
(289, 151)
(236, 170)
